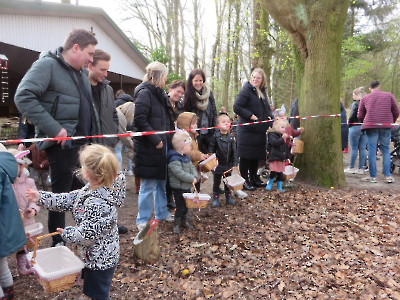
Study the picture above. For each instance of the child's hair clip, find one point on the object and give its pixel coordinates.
(21, 159)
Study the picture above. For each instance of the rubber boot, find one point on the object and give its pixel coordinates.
(269, 185)
(8, 293)
(177, 223)
(228, 198)
(279, 186)
(24, 268)
(185, 222)
(215, 202)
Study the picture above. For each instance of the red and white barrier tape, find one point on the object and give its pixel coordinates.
(144, 133)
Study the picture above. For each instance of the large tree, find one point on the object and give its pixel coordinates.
(316, 30)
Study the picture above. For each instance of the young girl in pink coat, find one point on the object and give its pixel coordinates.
(28, 209)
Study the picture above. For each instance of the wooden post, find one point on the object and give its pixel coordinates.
(147, 244)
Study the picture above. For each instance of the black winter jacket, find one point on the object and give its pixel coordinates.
(224, 148)
(251, 139)
(150, 115)
(122, 99)
(278, 150)
(353, 114)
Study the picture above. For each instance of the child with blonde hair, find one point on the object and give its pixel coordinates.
(182, 175)
(28, 209)
(94, 208)
(278, 152)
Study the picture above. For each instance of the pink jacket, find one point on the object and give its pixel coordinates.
(20, 185)
(378, 107)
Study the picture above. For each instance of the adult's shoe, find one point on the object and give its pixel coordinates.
(248, 187)
(122, 229)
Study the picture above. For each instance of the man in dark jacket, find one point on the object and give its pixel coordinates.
(377, 111)
(57, 98)
(103, 96)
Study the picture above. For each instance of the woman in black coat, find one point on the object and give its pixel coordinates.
(251, 105)
(150, 151)
(199, 99)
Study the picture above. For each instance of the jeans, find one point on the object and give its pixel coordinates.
(63, 163)
(382, 135)
(358, 144)
(152, 190)
(118, 148)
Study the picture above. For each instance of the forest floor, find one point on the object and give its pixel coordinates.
(308, 243)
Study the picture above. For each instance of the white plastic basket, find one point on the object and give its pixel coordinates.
(235, 182)
(33, 229)
(290, 172)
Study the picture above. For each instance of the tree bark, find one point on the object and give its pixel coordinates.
(219, 11)
(196, 11)
(316, 30)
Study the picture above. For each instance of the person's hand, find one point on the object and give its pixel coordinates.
(204, 156)
(60, 230)
(301, 129)
(30, 212)
(32, 195)
(62, 133)
(194, 181)
(160, 145)
(253, 117)
(285, 136)
(234, 168)
(21, 147)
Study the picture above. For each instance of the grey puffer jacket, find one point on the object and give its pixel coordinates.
(181, 171)
(48, 96)
(95, 214)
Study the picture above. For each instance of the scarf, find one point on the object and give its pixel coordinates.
(202, 102)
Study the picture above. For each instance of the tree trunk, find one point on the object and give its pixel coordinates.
(228, 60)
(196, 11)
(175, 29)
(235, 50)
(219, 11)
(183, 42)
(316, 29)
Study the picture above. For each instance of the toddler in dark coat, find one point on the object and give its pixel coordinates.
(223, 145)
(278, 152)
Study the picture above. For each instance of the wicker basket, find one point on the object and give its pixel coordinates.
(56, 268)
(297, 147)
(234, 182)
(196, 200)
(290, 172)
(209, 164)
(32, 232)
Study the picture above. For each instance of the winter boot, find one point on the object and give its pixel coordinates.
(185, 222)
(229, 199)
(8, 293)
(269, 185)
(215, 202)
(24, 268)
(279, 186)
(177, 222)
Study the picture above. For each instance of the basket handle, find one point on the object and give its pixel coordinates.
(37, 241)
(227, 172)
(195, 190)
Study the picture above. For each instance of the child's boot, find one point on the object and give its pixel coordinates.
(228, 198)
(215, 202)
(9, 293)
(177, 223)
(185, 222)
(23, 266)
(269, 185)
(279, 186)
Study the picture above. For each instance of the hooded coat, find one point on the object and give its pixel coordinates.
(49, 97)
(181, 171)
(122, 99)
(150, 115)
(12, 234)
(251, 139)
(95, 213)
(183, 122)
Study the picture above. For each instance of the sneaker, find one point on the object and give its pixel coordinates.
(369, 179)
(359, 171)
(240, 194)
(140, 226)
(350, 170)
(345, 150)
(129, 173)
(169, 218)
(389, 179)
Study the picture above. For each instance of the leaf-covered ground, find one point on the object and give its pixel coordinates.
(308, 243)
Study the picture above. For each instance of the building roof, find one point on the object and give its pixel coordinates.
(42, 26)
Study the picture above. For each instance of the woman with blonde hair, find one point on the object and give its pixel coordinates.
(150, 151)
(358, 138)
(252, 105)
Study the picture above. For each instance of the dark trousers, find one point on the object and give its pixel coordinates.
(63, 163)
(217, 182)
(248, 169)
(181, 209)
(203, 140)
(278, 175)
(97, 283)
